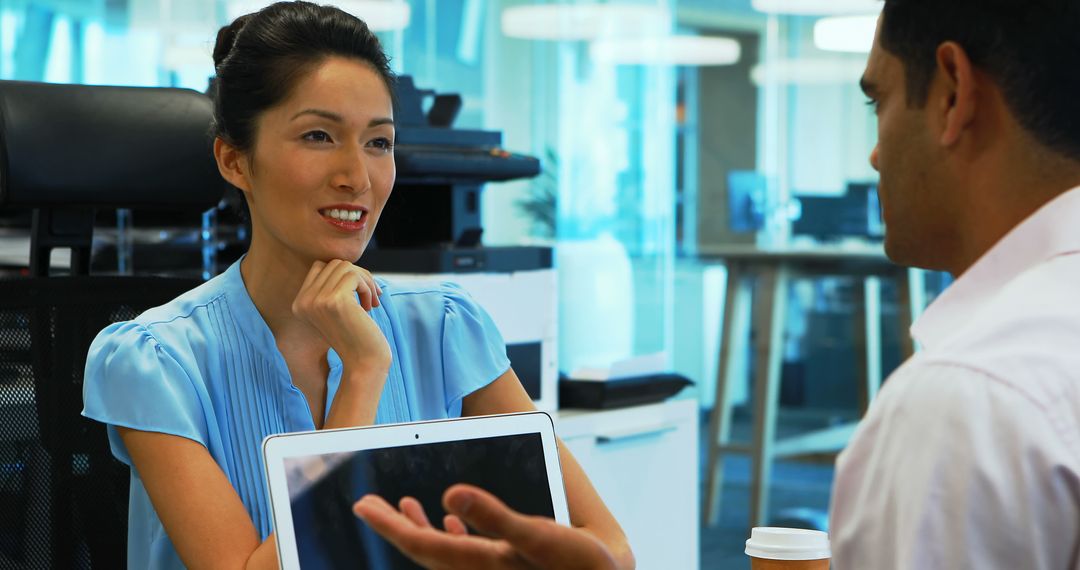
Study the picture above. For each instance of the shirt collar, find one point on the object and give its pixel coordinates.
(247, 317)
(1049, 232)
(251, 322)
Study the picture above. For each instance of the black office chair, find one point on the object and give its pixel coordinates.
(65, 151)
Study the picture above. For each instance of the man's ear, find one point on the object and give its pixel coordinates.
(956, 101)
(232, 164)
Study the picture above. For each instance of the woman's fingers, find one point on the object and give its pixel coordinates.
(352, 281)
(328, 302)
(376, 291)
(359, 280)
(367, 289)
(336, 281)
(329, 274)
(301, 302)
(313, 272)
(368, 281)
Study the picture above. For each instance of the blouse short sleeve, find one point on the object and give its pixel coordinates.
(131, 381)
(474, 353)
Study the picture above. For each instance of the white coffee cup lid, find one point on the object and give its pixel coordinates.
(773, 543)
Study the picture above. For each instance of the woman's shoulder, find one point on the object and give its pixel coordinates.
(173, 320)
(442, 308)
(405, 289)
(425, 298)
(185, 305)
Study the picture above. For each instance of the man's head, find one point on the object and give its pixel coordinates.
(969, 93)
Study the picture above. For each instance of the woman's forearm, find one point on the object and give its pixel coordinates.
(357, 397)
(616, 543)
(265, 556)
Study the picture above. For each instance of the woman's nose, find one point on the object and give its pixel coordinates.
(352, 172)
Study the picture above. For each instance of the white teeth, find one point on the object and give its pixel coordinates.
(344, 215)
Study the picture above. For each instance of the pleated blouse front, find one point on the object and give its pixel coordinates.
(206, 367)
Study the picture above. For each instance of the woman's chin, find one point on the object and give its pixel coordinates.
(328, 250)
(348, 254)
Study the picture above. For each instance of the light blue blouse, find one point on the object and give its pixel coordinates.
(205, 367)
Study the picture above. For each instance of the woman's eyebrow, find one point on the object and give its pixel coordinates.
(330, 115)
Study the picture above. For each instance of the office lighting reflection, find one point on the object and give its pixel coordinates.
(667, 50)
(584, 22)
(817, 7)
(853, 34)
(808, 71)
(379, 15)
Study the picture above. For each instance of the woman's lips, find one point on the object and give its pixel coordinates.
(336, 217)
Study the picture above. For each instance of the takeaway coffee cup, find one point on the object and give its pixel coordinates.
(788, 549)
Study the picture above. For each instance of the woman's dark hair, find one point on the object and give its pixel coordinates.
(1029, 47)
(259, 58)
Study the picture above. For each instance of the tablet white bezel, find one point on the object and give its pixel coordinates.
(277, 448)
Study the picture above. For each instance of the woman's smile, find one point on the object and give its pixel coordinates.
(345, 217)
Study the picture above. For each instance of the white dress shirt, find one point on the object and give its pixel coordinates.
(970, 456)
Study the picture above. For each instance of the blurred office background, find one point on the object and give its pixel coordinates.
(669, 133)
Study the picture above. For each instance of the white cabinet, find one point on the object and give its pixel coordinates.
(644, 463)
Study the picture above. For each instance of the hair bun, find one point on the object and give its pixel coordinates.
(226, 38)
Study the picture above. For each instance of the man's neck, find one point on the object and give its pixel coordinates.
(1005, 199)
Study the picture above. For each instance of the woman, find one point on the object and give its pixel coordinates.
(294, 336)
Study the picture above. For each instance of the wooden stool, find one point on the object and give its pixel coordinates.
(766, 303)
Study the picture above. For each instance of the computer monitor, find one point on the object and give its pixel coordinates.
(856, 213)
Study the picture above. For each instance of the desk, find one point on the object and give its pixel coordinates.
(773, 270)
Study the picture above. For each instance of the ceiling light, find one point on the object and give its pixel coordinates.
(817, 7)
(667, 50)
(584, 22)
(808, 72)
(379, 15)
(845, 33)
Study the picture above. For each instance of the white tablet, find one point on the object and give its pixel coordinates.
(315, 477)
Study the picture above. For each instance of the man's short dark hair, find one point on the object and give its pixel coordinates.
(1031, 48)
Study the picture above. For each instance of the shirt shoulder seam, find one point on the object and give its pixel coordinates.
(183, 315)
(1047, 413)
(939, 362)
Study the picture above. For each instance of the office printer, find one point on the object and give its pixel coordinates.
(431, 230)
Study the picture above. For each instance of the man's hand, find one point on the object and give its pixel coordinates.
(519, 542)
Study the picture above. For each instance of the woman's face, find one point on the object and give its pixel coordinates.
(322, 166)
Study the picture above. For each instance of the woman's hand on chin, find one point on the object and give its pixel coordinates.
(326, 302)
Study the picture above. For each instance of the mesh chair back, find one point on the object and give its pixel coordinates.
(63, 497)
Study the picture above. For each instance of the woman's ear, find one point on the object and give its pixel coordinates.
(233, 165)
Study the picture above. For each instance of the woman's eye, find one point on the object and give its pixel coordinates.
(872, 103)
(383, 144)
(317, 136)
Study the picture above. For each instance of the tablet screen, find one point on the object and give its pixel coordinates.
(323, 488)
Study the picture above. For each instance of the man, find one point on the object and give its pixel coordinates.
(970, 456)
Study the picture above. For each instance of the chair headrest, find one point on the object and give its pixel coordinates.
(106, 147)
